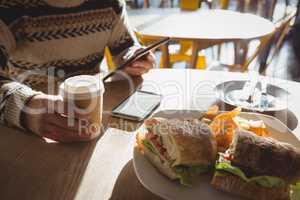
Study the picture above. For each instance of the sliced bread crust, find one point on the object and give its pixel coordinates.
(188, 142)
(266, 156)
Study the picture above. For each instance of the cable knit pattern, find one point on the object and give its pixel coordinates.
(55, 38)
(15, 100)
(22, 3)
(7, 39)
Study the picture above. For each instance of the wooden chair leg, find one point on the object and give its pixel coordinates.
(224, 4)
(236, 52)
(219, 51)
(165, 56)
(251, 6)
(261, 47)
(172, 3)
(244, 48)
(263, 57)
(277, 48)
(136, 3)
(146, 4)
(162, 3)
(240, 6)
(195, 51)
(109, 60)
(240, 52)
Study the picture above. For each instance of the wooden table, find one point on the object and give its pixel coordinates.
(205, 28)
(33, 169)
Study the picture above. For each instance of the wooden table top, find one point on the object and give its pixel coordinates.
(33, 169)
(202, 25)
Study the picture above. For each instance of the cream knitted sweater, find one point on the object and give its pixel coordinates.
(42, 42)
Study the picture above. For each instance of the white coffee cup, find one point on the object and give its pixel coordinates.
(84, 95)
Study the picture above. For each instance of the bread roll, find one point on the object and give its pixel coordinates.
(236, 186)
(265, 156)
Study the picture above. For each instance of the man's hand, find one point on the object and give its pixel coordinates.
(141, 66)
(44, 115)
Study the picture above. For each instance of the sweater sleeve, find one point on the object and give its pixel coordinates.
(122, 39)
(13, 95)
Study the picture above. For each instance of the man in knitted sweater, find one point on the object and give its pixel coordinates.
(43, 42)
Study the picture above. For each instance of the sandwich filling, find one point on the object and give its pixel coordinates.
(224, 166)
(295, 191)
(185, 173)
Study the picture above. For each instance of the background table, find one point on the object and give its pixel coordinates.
(204, 28)
(32, 169)
(142, 18)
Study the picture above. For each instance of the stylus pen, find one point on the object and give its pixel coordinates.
(137, 56)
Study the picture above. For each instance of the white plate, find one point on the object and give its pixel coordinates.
(172, 190)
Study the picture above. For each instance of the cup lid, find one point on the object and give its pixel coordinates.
(83, 84)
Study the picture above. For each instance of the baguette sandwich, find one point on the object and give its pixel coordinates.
(179, 149)
(257, 168)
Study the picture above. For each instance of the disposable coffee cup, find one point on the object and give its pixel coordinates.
(84, 95)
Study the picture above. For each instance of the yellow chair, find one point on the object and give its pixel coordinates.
(184, 53)
(224, 4)
(185, 46)
(110, 64)
(241, 48)
(189, 4)
(142, 40)
(283, 25)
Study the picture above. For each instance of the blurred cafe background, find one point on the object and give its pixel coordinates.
(216, 38)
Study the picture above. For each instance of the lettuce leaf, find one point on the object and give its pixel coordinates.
(185, 178)
(186, 173)
(264, 181)
(149, 146)
(231, 169)
(196, 170)
(295, 192)
(268, 181)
